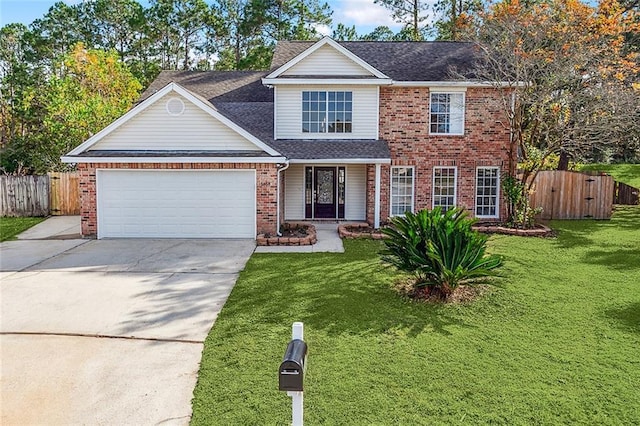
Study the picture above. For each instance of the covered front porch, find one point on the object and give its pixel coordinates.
(332, 191)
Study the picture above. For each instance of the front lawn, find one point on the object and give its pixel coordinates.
(10, 227)
(627, 173)
(556, 342)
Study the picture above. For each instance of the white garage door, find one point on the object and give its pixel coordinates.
(176, 204)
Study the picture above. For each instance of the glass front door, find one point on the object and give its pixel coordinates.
(325, 202)
(324, 192)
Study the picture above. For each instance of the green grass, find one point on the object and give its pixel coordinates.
(556, 342)
(12, 226)
(627, 173)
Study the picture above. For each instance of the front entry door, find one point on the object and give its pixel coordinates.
(325, 193)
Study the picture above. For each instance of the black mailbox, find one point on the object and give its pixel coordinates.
(291, 373)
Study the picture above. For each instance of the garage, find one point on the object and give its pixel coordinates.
(176, 203)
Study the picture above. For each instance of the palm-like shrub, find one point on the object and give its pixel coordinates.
(439, 248)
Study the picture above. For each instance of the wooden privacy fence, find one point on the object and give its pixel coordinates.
(55, 194)
(625, 194)
(573, 195)
(64, 195)
(24, 195)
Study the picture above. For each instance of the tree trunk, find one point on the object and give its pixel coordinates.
(186, 52)
(454, 20)
(237, 50)
(563, 161)
(416, 22)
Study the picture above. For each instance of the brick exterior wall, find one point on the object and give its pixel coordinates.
(404, 124)
(265, 189)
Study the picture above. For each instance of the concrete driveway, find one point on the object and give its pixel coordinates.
(109, 331)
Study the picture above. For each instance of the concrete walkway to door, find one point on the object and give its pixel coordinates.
(108, 331)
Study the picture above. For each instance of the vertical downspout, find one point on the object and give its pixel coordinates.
(281, 169)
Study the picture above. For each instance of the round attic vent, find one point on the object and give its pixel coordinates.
(175, 106)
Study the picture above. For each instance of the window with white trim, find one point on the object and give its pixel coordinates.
(487, 191)
(447, 113)
(444, 187)
(327, 112)
(401, 190)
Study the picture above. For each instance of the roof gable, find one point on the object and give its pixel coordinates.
(326, 57)
(157, 129)
(234, 136)
(326, 60)
(401, 61)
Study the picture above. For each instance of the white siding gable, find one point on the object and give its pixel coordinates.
(192, 130)
(326, 61)
(288, 112)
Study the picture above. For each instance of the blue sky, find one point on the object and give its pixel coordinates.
(364, 14)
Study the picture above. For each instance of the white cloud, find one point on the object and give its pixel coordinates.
(367, 15)
(363, 13)
(324, 30)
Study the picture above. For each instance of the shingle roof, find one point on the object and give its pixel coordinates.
(332, 149)
(399, 60)
(220, 86)
(257, 118)
(287, 50)
(241, 96)
(254, 117)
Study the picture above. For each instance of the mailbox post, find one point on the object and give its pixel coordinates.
(292, 370)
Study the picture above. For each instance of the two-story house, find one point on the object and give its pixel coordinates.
(355, 131)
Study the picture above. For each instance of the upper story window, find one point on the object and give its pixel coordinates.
(327, 112)
(447, 113)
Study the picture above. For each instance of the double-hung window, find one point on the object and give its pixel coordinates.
(401, 190)
(327, 112)
(444, 187)
(447, 113)
(487, 191)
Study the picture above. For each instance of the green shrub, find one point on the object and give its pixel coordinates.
(439, 248)
(519, 211)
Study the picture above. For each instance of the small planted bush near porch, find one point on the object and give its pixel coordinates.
(439, 249)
